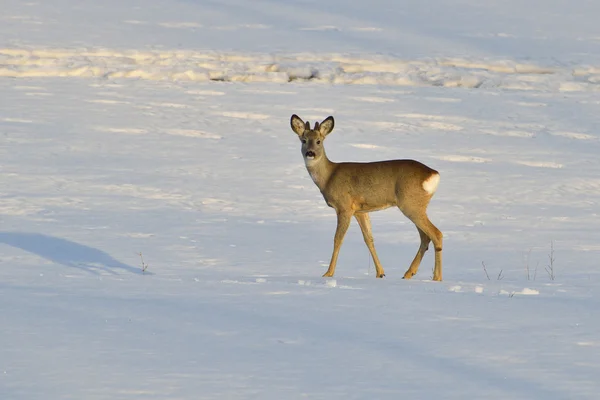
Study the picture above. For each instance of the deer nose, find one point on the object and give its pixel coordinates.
(310, 153)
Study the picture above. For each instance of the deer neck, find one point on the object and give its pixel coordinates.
(320, 171)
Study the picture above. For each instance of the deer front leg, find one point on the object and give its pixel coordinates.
(365, 226)
(343, 221)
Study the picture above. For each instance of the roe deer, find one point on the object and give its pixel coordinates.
(355, 189)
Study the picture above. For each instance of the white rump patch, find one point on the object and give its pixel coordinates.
(430, 184)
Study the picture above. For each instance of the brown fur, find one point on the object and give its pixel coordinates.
(355, 189)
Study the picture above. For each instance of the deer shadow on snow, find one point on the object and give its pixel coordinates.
(65, 252)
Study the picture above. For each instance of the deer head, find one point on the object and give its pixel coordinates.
(312, 139)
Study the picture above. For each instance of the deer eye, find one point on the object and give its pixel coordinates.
(303, 140)
(318, 142)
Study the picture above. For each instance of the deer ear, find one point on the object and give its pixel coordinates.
(297, 125)
(326, 126)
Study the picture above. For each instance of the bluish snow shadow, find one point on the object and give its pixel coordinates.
(65, 252)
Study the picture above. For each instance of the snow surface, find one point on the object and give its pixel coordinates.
(157, 133)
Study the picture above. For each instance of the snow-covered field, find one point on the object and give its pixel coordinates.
(157, 133)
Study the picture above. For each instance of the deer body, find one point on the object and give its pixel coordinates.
(355, 189)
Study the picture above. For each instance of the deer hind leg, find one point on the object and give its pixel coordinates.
(343, 222)
(424, 224)
(414, 266)
(365, 226)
